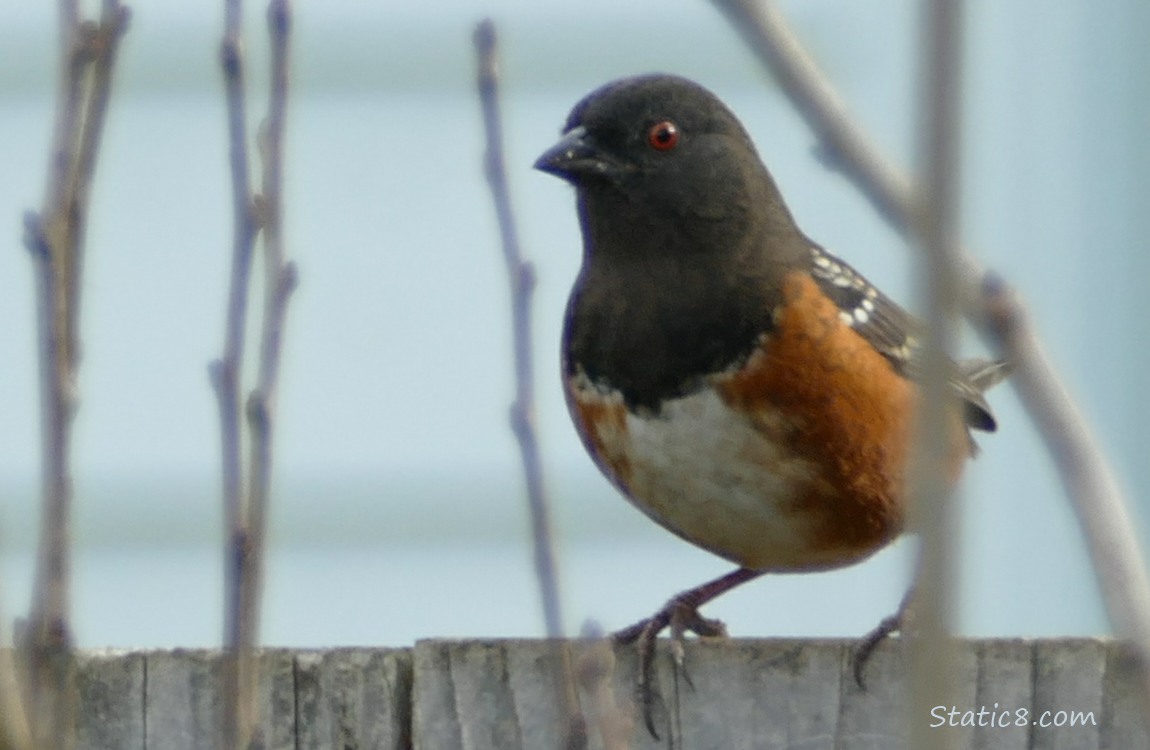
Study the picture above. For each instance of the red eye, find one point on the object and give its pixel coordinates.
(663, 136)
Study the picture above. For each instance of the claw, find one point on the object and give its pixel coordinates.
(869, 643)
(889, 625)
(681, 615)
(686, 619)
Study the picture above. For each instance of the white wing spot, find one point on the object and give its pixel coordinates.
(845, 277)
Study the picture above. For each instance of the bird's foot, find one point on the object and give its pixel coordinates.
(895, 623)
(681, 615)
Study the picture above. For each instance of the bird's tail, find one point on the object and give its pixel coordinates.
(984, 374)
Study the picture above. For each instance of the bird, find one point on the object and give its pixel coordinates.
(738, 383)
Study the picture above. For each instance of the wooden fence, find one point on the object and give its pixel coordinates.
(500, 695)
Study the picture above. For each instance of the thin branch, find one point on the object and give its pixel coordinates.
(50, 239)
(101, 45)
(72, 66)
(521, 276)
(55, 238)
(934, 513)
(280, 282)
(844, 144)
(246, 514)
(1089, 480)
(226, 372)
(104, 44)
(1086, 475)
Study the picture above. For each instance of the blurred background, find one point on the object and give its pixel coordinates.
(398, 510)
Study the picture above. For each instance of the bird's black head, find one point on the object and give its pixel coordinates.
(643, 125)
(658, 154)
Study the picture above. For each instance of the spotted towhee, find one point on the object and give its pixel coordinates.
(743, 387)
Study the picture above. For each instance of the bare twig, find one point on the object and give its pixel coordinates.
(280, 281)
(521, 275)
(246, 508)
(1086, 475)
(844, 144)
(1089, 480)
(55, 237)
(227, 370)
(934, 513)
(226, 373)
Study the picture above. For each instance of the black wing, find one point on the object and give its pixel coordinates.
(897, 335)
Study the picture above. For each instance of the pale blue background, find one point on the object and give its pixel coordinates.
(399, 510)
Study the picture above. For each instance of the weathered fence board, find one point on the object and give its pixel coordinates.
(503, 695)
(182, 700)
(353, 698)
(110, 695)
(1005, 680)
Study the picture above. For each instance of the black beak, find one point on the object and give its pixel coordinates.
(576, 158)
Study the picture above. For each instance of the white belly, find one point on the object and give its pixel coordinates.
(713, 477)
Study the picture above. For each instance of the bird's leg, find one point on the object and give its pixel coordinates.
(891, 624)
(681, 615)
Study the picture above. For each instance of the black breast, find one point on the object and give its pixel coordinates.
(655, 330)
